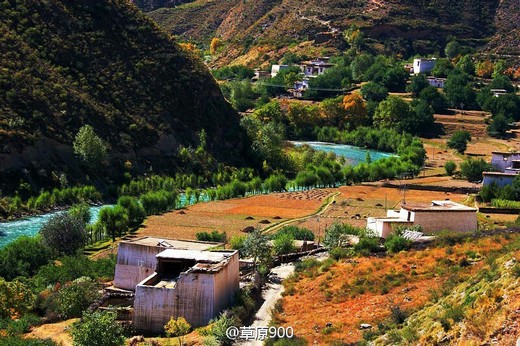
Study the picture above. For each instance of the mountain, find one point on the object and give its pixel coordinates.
(64, 64)
(259, 30)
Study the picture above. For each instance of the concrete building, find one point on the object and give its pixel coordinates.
(275, 69)
(423, 65)
(436, 82)
(507, 166)
(315, 67)
(438, 216)
(196, 285)
(136, 259)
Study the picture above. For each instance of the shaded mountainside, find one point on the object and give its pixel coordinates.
(418, 26)
(102, 63)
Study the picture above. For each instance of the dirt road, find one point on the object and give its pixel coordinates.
(271, 294)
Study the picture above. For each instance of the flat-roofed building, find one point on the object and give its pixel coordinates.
(434, 217)
(196, 285)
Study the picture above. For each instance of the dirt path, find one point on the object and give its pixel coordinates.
(271, 294)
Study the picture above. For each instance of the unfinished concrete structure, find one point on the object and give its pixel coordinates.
(438, 216)
(136, 259)
(196, 285)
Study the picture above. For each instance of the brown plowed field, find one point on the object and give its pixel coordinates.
(230, 216)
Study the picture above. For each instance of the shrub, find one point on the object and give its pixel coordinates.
(178, 328)
(64, 234)
(367, 245)
(338, 253)
(450, 167)
(98, 328)
(298, 233)
(237, 243)
(15, 299)
(214, 236)
(338, 234)
(473, 169)
(396, 243)
(284, 244)
(23, 257)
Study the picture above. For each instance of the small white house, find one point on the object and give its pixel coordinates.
(423, 65)
(435, 217)
(315, 67)
(507, 166)
(501, 161)
(275, 69)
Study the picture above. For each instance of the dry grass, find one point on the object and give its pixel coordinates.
(362, 290)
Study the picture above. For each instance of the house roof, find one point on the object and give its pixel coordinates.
(199, 256)
(500, 174)
(504, 153)
(171, 243)
(436, 206)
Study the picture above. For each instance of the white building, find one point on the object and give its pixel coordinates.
(423, 65)
(275, 69)
(437, 216)
(315, 67)
(196, 285)
(507, 166)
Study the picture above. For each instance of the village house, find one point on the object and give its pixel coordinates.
(315, 67)
(436, 82)
(434, 217)
(423, 65)
(507, 166)
(275, 69)
(259, 75)
(174, 278)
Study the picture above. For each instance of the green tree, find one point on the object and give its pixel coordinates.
(395, 79)
(472, 169)
(360, 65)
(498, 127)
(134, 210)
(338, 234)
(459, 141)
(452, 49)
(114, 220)
(450, 167)
(64, 234)
(90, 148)
(417, 84)
(98, 328)
(435, 99)
(372, 91)
(256, 246)
(177, 328)
(459, 91)
(467, 65)
(81, 211)
(442, 68)
(395, 243)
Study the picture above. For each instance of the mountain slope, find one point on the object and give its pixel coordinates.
(405, 26)
(103, 63)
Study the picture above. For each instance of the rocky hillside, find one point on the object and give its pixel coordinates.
(405, 26)
(103, 63)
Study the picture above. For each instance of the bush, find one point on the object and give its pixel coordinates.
(237, 243)
(178, 328)
(472, 169)
(367, 245)
(214, 236)
(15, 299)
(64, 234)
(284, 244)
(20, 341)
(339, 234)
(338, 253)
(450, 167)
(98, 328)
(298, 233)
(76, 297)
(396, 243)
(23, 257)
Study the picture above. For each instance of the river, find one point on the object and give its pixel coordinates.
(11, 230)
(353, 154)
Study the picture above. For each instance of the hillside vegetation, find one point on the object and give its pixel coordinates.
(102, 63)
(391, 26)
